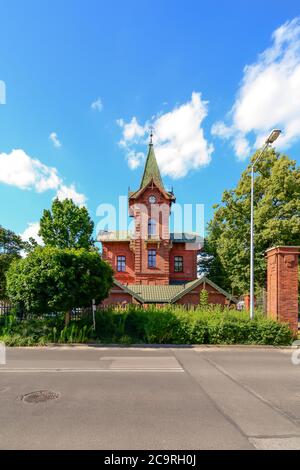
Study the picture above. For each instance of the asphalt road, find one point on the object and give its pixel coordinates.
(150, 398)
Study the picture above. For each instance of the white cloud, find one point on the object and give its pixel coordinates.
(97, 105)
(69, 192)
(135, 159)
(20, 170)
(180, 145)
(269, 95)
(132, 131)
(54, 139)
(32, 231)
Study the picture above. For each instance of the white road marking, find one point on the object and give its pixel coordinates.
(276, 443)
(140, 362)
(106, 364)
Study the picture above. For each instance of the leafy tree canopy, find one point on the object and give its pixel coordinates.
(53, 279)
(11, 246)
(10, 243)
(209, 264)
(276, 218)
(66, 226)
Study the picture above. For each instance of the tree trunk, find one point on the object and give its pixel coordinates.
(67, 317)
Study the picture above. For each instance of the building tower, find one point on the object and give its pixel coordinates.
(150, 206)
(152, 265)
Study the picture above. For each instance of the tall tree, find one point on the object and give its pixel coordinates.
(210, 265)
(57, 280)
(11, 246)
(66, 226)
(10, 243)
(276, 218)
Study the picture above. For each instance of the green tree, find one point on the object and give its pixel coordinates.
(203, 298)
(276, 218)
(209, 264)
(66, 226)
(10, 243)
(57, 280)
(11, 246)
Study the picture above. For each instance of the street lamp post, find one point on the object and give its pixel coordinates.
(269, 141)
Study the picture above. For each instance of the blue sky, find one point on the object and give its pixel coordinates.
(179, 66)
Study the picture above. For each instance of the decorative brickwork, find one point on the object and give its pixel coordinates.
(214, 297)
(189, 263)
(140, 208)
(282, 282)
(150, 272)
(151, 202)
(110, 253)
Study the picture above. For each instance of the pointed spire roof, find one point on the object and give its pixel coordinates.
(151, 170)
(151, 175)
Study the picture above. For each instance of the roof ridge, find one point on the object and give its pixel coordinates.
(171, 296)
(191, 284)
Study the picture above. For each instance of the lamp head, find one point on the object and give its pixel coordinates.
(274, 134)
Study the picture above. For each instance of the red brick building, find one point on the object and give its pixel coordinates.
(153, 265)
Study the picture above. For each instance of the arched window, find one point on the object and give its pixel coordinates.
(151, 227)
(121, 264)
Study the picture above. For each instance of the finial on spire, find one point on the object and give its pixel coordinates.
(151, 135)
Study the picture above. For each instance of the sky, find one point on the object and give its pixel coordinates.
(81, 83)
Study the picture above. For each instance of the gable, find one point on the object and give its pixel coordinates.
(170, 293)
(191, 286)
(151, 185)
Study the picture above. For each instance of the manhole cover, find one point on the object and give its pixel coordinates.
(40, 396)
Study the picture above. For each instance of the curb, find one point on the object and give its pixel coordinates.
(155, 346)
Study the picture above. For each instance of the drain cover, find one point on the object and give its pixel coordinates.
(40, 396)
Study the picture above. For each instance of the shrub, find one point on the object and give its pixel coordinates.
(161, 326)
(110, 324)
(171, 324)
(203, 298)
(74, 334)
(135, 323)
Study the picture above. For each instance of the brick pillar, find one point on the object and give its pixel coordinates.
(282, 282)
(247, 301)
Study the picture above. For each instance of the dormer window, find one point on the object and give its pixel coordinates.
(151, 227)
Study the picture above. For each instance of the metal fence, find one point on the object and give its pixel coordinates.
(76, 313)
(5, 308)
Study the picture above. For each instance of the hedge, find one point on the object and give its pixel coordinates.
(168, 325)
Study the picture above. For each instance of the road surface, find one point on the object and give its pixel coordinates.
(150, 398)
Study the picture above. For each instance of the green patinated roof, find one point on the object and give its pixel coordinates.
(151, 171)
(170, 293)
(156, 294)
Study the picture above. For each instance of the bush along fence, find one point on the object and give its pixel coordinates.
(135, 325)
